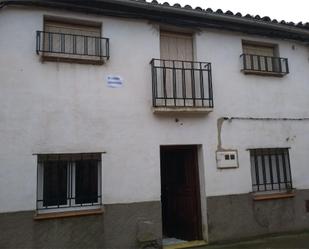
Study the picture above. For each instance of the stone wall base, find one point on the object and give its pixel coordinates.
(235, 217)
(121, 226)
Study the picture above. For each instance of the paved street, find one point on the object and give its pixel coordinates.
(299, 241)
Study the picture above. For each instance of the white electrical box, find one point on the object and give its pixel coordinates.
(227, 159)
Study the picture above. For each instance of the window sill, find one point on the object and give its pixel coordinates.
(80, 60)
(47, 216)
(263, 73)
(196, 110)
(273, 196)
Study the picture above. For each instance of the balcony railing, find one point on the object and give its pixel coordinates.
(268, 65)
(186, 84)
(63, 46)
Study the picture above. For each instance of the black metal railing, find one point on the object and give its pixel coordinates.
(266, 64)
(270, 169)
(178, 83)
(72, 45)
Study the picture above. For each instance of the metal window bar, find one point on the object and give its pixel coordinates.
(72, 44)
(177, 83)
(270, 169)
(211, 98)
(261, 63)
(71, 182)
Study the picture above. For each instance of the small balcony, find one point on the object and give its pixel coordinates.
(53, 46)
(264, 65)
(181, 86)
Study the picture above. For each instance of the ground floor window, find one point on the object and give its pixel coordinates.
(68, 181)
(270, 169)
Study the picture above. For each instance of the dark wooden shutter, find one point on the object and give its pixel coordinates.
(55, 183)
(86, 181)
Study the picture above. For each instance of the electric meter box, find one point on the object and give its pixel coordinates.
(227, 159)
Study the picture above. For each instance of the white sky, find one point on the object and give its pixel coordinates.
(288, 10)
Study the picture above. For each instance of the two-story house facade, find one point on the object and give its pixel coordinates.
(128, 123)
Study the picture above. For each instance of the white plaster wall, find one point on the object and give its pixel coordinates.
(236, 94)
(63, 107)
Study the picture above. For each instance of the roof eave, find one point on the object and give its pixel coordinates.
(172, 15)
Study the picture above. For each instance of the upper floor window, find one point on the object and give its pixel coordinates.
(270, 169)
(72, 42)
(262, 58)
(179, 82)
(68, 181)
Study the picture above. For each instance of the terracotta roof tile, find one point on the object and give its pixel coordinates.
(230, 13)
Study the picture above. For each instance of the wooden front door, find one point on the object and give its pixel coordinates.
(180, 194)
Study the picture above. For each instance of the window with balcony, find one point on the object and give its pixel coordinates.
(179, 83)
(68, 182)
(72, 42)
(263, 59)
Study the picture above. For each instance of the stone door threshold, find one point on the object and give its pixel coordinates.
(188, 244)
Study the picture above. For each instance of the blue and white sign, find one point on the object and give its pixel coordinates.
(114, 81)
